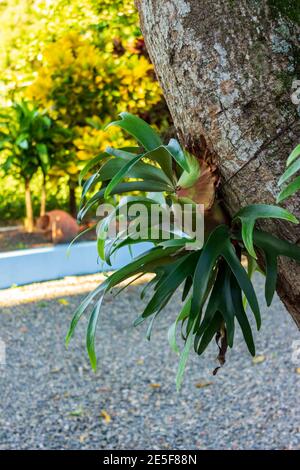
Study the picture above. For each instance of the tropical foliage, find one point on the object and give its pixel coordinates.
(28, 141)
(81, 66)
(215, 282)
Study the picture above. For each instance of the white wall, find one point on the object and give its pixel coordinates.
(43, 264)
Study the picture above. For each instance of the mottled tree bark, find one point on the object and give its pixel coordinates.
(226, 68)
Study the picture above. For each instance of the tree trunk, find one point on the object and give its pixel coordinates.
(43, 197)
(28, 207)
(226, 68)
(72, 199)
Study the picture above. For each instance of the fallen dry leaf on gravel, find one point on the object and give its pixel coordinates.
(203, 384)
(63, 301)
(154, 385)
(258, 359)
(105, 416)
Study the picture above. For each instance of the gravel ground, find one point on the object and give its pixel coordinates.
(50, 399)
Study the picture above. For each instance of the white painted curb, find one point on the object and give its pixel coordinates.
(44, 264)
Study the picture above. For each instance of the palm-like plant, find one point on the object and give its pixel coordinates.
(215, 283)
(28, 140)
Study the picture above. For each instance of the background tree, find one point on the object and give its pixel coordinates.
(226, 69)
(28, 141)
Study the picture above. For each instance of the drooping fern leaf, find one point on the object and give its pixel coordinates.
(292, 167)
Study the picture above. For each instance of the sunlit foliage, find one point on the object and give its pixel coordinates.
(82, 62)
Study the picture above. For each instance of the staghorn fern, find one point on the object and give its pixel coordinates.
(213, 278)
